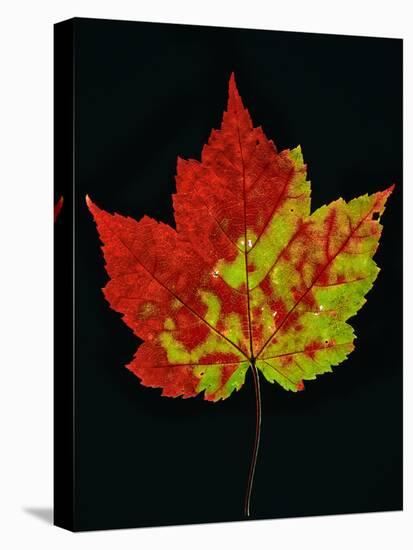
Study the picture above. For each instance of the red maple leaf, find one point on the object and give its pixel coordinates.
(250, 279)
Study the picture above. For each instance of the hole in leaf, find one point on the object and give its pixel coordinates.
(375, 216)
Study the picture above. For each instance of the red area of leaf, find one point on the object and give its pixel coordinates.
(58, 207)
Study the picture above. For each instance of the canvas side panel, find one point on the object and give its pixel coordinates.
(63, 276)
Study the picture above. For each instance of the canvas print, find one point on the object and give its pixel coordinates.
(228, 228)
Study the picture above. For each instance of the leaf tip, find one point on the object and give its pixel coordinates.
(390, 189)
(233, 94)
(90, 204)
(385, 194)
(381, 199)
(93, 209)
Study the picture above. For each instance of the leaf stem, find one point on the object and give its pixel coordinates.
(257, 438)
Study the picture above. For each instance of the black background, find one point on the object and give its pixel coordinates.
(144, 94)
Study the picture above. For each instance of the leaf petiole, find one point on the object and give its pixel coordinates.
(258, 414)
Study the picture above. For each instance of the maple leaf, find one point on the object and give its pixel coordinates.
(249, 279)
(247, 276)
